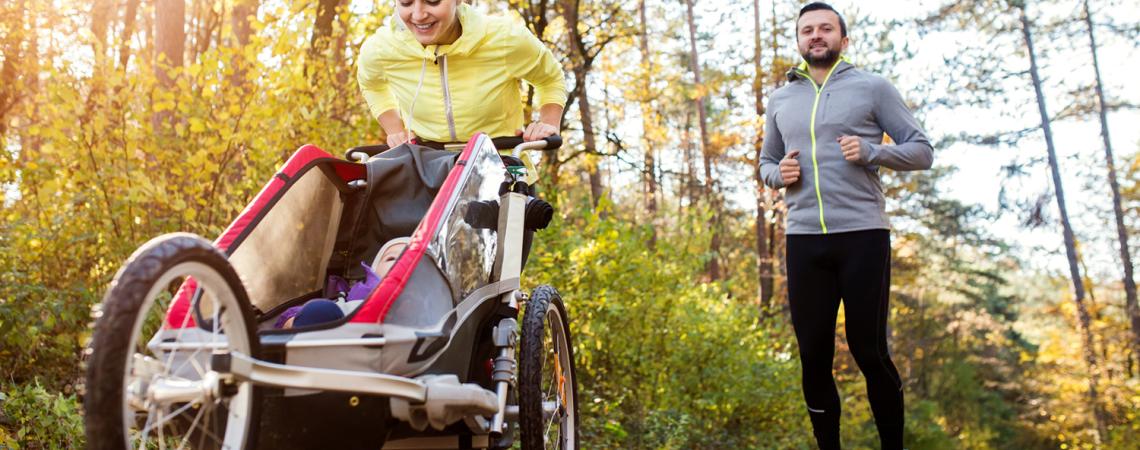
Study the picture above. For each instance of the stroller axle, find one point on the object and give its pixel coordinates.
(165, 391)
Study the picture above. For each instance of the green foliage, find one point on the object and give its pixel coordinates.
(34, 417)
(42, 325)
(668, 361)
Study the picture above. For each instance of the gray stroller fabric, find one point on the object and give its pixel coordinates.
(402, 182)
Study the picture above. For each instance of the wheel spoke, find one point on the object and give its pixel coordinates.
(161, 438)
(151, 412)
(162, 420)
(206, 430)
(193, 423)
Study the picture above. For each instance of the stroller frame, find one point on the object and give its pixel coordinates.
(462, 414)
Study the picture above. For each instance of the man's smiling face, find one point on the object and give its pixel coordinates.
(820, 38)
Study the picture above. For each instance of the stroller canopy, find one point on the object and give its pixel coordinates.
(312, 220)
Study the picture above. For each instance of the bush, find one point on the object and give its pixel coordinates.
(32, 417)
(664, 359)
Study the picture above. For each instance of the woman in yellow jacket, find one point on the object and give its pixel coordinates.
(443, 71)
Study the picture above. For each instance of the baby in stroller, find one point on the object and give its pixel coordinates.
(323, 310)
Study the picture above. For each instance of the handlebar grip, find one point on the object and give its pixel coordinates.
(370, 150)
(553, 142)
(509, 142)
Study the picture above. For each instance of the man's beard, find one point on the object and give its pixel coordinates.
(826, 61)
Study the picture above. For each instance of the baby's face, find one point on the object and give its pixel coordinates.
(388, 258)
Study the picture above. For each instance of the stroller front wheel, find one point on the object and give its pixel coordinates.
(150, 381)
(548, 390)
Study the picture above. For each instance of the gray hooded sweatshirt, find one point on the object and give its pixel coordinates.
(834, 195)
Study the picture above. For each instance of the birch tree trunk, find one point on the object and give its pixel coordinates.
(1067, 230)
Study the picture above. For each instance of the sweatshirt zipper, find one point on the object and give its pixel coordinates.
(814, 163)
(446, 95)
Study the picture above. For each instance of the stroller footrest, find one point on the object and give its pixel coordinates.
(447, 402)
(264, 373)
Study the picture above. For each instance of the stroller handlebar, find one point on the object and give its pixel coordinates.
(515, 143)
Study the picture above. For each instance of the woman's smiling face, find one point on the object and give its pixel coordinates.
(432, 22)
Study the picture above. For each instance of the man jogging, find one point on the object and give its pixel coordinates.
(823, 143)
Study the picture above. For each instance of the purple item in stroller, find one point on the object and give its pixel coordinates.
(335, 290)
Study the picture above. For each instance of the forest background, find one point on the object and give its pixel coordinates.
(1013, 315)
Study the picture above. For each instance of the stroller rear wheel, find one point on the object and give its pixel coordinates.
(150, 382)
(548, 390)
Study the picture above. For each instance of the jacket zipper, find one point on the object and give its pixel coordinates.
(446, 96)
(814, 162)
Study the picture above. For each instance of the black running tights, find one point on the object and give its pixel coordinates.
(854, 267)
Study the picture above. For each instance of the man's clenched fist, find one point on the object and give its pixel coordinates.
(851, 147)
(790, 168)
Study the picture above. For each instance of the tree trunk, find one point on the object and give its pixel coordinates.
(170, 45)
(699, 101)
(763, 258)
(690, 168)
(129, 18)
(712, 267)
(101, 12)
(1121, 231)
(244, 11)
(169, 38)
(1070, 240)
(582, 63)
(10, 45)
(206, 21)
(240, 17)
(340, 52)
(323, 26)
(648, 125)
(589, 140)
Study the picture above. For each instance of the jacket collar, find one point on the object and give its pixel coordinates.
(474, 33)
(801, 71)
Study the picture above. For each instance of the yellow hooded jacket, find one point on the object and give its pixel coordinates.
(447, 93)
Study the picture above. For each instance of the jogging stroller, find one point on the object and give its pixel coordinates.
(188, 348)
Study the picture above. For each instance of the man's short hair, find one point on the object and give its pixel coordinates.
(817, 6)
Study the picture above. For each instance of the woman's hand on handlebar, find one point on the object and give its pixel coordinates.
(538, 130)
(398, 138)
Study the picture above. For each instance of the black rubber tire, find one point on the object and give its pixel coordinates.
(116, 318)
(544, 301)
